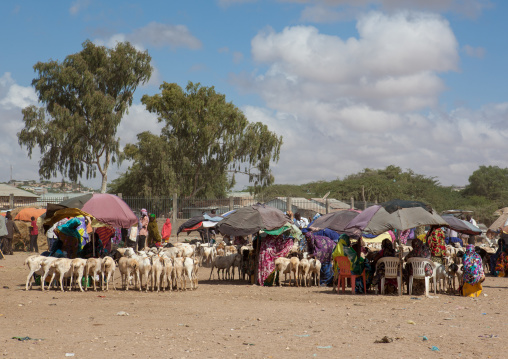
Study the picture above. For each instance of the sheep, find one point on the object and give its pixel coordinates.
(62, 267)
(93, 268)
(303, 271)
(188, 272)
(315, 271)
(108, 267)
(157, 272)
(128, 266)
(294, 264)
(207, 255)
(454, 270)
(230, 250)
(47, 269)
(173, 252)
(34, 264)
(224, 263)
(77, 269)
(282, 265)
(178, 271)
(168, 273)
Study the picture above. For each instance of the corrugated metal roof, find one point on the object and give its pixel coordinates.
(6, 190)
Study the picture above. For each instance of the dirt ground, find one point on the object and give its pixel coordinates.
(232, 319)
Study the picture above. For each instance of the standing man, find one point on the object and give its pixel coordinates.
(3, 232)
(34, 233)
(11, 228)
(471, 239)
(143, 229)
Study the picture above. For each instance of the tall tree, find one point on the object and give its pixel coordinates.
(204, 143)
(490, 182)
(84, 99)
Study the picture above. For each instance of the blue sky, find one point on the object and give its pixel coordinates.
(350, 84)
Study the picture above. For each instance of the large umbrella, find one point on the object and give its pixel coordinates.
(336, 221)
(106, 208)
(461, 226)
(251, 219)
(396, 214)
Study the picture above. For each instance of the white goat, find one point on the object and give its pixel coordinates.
(93, 268)
(315, 271)
(128, 266)
(77, 269)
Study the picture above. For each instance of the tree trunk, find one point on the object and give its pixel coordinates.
(104, 182)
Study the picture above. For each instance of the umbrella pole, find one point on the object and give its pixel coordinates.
(400, 262)
(93, 242)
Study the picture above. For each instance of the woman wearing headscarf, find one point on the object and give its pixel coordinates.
(387, 250)
(166, 230)
(473, 272)
(501, 261)
(143, 229)
(154, 237)
(436, 243)
(420, 250)
(344, 249)
(321, 248)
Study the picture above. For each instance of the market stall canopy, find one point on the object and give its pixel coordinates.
(105, 208)
(461, 226)
(501, 220)
(27, 213)
(396, 214)
(110, 209)
(336, 221)
(65, 213)
(251, 219)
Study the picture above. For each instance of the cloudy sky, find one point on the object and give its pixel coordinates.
(350, 84)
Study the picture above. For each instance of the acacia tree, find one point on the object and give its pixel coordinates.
(204, 143)
(84, 99)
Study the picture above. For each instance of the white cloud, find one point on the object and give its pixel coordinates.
(156, 35)
(323, 11)
(370, 101)
(78, 5)
(478, 52)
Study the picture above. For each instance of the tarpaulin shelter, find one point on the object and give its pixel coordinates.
(396, 214)
(27, 213)
(251, 219)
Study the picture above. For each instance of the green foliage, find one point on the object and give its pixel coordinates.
(204, 143)
(84, 99)
(490, 182)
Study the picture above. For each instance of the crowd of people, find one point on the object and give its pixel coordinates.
(430, 243)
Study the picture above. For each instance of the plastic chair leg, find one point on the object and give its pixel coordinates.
(399, 285)
(410, 285)
(382, 285)
(427, 286)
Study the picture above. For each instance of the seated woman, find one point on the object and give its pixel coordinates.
(321, 248)
(344, 249)
(420, 250)
(436, 243)
(473, 273)
(387, 250)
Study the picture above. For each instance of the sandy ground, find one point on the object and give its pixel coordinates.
(232, 319)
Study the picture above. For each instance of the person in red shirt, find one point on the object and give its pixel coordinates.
(34, 233)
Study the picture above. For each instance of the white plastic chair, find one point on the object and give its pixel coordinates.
(418, 265)
(391, 271)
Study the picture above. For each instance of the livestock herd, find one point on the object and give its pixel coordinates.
(155, 269)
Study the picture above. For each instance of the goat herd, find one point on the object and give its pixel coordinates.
(158, 268)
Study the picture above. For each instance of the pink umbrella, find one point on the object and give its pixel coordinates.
(110, 209)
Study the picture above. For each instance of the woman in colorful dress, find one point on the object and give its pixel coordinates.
(473, 272)
(436, 243)
(321, 248)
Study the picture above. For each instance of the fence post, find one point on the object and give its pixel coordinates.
(11, 200)
(289, 204)
(119, 195)
(352, 203)
(175, 213)
(327, 206)
(231, 203)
